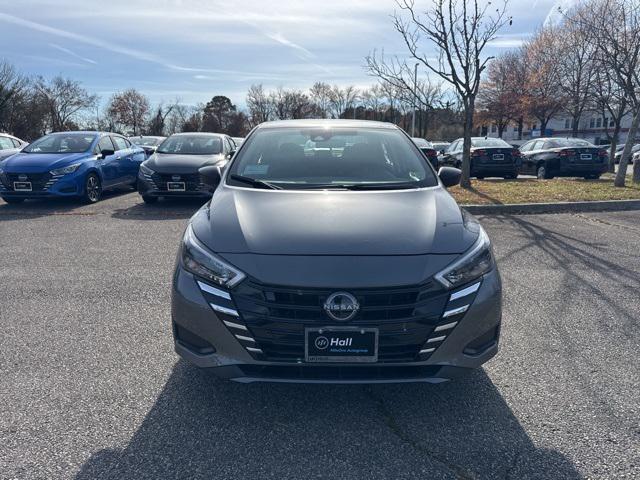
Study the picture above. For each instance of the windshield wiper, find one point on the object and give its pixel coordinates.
(254, 182)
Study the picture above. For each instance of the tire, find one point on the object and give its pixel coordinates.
(591, 177)
(510, 177)
(149, 200)
(480, 177)
(13, 200)
(92, 189)
(542, 172)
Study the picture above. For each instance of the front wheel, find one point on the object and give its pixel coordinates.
(92, 189)
(13, 200)
(591, 177)
(542, 173)
(148, 199)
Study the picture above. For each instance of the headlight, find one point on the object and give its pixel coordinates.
(145, 169)
(197, 259)
(477, 261)
(66, 170)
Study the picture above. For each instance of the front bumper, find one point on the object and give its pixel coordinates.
(44, 185)
(203, 339)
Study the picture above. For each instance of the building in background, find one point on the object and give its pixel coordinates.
(593, 127)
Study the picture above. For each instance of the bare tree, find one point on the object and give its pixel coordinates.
(128, 110)
(460, 30)
(259, 105)
(65, 99)
(495, 99)
(543, 97)
(611, 103)
(320, 94)
(342, 99)
(615, 27)
(575, 64)
(12, 84)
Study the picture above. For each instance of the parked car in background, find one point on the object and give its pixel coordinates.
(348, 266)
(490, 157)
(10, 145)
(440, 147)
(238, 141)
(70, 164)
(428, 150)
(148, 142)
(620, 148)
(172, 171)
(563, 157)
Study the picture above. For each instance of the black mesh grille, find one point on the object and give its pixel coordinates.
(38, 180)
(277, 317)
(191, 180)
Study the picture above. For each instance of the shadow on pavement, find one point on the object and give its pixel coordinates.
(201, 427)
(166, 208)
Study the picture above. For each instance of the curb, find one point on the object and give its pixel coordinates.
(559, 207)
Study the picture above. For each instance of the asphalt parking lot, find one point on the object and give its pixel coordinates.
(91, 387)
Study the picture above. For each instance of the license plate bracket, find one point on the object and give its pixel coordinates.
(498, 156)
(341, 344)
(22, 186)
(585, 156)
(176, 186)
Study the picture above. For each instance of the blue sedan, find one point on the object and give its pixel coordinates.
(70, 164)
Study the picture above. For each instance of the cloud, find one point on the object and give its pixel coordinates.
(73, 54)
(278, 37)
(129, 52)
(509, 40)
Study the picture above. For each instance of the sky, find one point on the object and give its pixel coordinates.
(192, 50)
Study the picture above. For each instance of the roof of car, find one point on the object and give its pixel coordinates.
(211, 134)
(323, 122)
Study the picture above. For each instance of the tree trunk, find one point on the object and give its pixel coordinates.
(465, 179)
(614, 144)
(626, 153)
(636, 171)
(520, 127)
(500, 129)
(574, 125)
(543, 126)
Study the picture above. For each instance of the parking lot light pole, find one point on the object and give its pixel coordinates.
(415, 95)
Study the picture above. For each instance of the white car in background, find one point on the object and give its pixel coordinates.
(10, 145)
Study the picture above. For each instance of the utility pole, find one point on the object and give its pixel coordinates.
(415, 94)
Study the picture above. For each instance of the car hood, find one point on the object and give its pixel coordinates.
(175, 163)
(268, 222)
(41, 162)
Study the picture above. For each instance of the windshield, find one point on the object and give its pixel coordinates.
(325, 157)
(489, 142)
(62, 143)
(145, 141)
(191, 145)
(570, 142)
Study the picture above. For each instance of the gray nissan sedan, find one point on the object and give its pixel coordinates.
(331, 252)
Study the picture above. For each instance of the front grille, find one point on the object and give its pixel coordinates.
(39, 181)
(191, 181)
(277, 317)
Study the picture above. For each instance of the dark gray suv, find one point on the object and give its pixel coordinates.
(331, 252)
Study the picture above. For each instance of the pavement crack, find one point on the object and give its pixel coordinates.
(396, 430)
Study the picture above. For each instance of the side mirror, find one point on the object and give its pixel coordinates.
(106, 153)
(210, 176)
(449, 176)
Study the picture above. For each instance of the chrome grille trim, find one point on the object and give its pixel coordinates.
(436, 339)
(446, 326)
(246, 339)
(455, 311)
(464, 292)
(427, 350)
(221, 309)
(214, 291)
(235, 325)
(254, 350)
